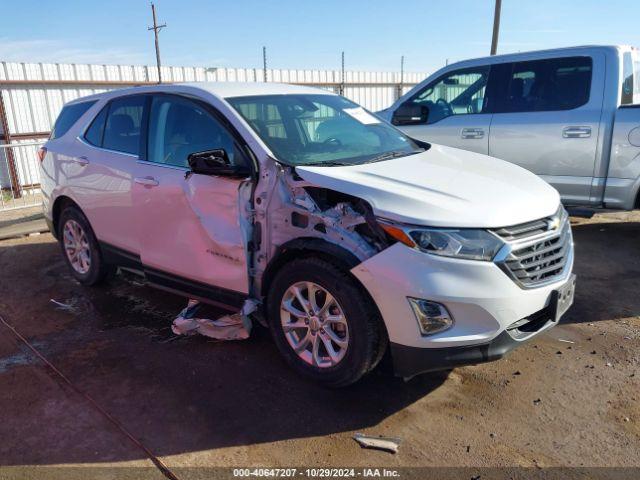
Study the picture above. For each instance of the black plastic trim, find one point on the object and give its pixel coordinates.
(222, 297)
(411, 361)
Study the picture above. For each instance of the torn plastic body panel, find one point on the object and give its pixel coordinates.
(288, 208)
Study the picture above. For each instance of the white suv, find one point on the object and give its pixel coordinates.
(353, 238)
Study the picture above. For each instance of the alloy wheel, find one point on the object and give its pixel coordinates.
(76, 246)
(314, 324)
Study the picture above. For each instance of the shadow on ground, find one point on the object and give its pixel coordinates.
(607, 263)
(181, 395)
(178, 394)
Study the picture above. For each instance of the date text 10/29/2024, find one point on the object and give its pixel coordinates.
(316, 472)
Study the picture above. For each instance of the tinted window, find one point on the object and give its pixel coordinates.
(546, 85)
(68, 116)
(457, 93)
(96, 130)
(122, 131)
(179, 127)
(630, 78)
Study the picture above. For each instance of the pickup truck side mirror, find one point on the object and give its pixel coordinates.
(410, 114)
(217, 163)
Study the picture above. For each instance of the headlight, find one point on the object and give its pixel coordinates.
(471, 244)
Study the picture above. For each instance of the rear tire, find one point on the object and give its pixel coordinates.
(80, 247)
(323, 323)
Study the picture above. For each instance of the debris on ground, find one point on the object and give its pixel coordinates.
(229, 327)
(565, 341)
(387, 444)
(60, 305)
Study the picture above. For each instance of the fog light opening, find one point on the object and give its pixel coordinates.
(432, 317)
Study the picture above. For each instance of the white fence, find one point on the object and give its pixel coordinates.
(32, 95)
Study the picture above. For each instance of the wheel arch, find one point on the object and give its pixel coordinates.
(319, 248)
(59, 205)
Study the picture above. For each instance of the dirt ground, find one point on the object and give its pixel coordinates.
(568, 398)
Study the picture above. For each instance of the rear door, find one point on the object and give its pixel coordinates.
(457, 103)
(102, 173)
(547, 120)
(188, 224)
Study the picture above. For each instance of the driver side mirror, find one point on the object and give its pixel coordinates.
(410, 114)
(217, 163)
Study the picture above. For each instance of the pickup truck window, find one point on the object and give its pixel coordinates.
(457, 93)
(547, 85)
(321, 130)
(630, 78)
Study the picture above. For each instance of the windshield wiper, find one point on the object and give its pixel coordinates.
(389, 156)
(328, 163)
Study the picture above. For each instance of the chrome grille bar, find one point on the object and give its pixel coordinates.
(538, 252)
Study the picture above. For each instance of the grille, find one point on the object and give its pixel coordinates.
(540, 250)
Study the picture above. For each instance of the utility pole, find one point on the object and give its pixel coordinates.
(342, 76)
(401, 84)
(264, 63)
(156, 28)
(496, 27)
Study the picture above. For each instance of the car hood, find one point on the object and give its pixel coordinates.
(443, 187)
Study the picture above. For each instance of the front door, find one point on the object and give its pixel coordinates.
(456, 103)
(188, 224)
(548, 118)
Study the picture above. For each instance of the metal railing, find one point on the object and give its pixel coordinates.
(19, 175)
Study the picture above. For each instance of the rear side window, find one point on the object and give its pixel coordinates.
(124, 124)
(68, 116)
(547, 85)
(96, 131)
(630, 78)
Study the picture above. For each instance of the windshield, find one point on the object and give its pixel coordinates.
(321, 130)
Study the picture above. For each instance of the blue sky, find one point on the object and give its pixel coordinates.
(304, 34)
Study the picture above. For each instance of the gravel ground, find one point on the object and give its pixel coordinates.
(569, 398)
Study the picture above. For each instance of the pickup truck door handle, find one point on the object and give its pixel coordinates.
(82, 161)
(146, 181)
(576, 132)
(470, 133)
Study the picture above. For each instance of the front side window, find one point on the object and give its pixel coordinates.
(547, 85)
(68, 116)
(124, 124)
(321, 129)
(179, 127)
(457, 93)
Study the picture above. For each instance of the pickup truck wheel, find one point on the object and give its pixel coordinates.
(322, 322)
(80, 247)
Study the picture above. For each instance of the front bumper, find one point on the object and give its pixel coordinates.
(484, 302)
(410, 361)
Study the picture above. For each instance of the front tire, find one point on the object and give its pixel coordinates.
(80, 247)
(323, 322)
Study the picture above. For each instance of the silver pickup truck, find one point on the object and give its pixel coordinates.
(570, 115)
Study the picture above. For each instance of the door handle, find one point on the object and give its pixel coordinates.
(82, 161)
(576, 132)
(470, 133)
(146, 181)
